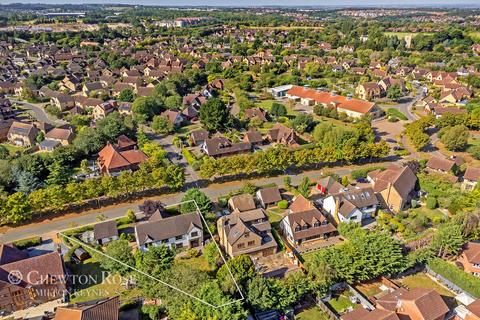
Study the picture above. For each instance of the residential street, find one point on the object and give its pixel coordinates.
(405, 104)
(38, 111)
(51, 227)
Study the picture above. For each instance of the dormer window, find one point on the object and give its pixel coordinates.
(297, 228)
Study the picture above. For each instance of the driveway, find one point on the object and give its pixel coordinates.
(39, 112)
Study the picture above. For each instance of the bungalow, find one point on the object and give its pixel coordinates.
(304, 222)
(439, 111)
(176, 232)
(280, 91)
(354, 108)
(22, 134)
(440, 164)
(469, 259)
(221, 146)
(470, 178)
(105, 232)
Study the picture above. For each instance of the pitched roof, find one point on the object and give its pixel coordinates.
(50, 264)
(8, 254)
(474, 308)
(242, 202)
(253, 136)
(472, 174)
(110, 157)
(221, 145)
(437, 163)
(300, 203)
(308, 218)
(270, 195)
(104, 309)
(363, 314)
(402, 179)
(472, 252)
(167, 228)
(105, 229)
(59, 134)
(342, 102)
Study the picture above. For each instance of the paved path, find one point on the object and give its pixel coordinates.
(39, 112)
(213, 191)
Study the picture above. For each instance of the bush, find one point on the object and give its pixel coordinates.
(362, 173)
(27, 243)
(464, 280)
(414, 203)
(283, 204)
(432, 203)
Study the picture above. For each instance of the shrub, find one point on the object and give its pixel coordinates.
(27, 243)
(414, 203)
(432, 202)
(283, 204)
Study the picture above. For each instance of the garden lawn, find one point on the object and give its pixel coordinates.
(396, 113)
(198, 263)
(429, 213)
(422, 280)
(12, 149)
(341, 303)
(313, 313)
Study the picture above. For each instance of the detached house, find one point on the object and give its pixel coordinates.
(247, 232)
(353, 205)
(177, 232)
(394, 186)
(22, 134)
(62, 101)
(368, 91)
(304, 222)
(282, 135)
(112, 159)
(221, 146)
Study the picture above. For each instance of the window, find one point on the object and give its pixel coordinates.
(250, 243)
(247, 234)
(240, 245)
(178, 237)
(179, 245)
(298, 228)
(194, 234)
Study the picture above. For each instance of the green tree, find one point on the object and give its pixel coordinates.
(203, 202)
(155, 260)
(448, 240)
(174, 177)
(119, 250)
(59, 174)
(161, 125)
(214, 115)
(394, 93)
(126, 95)
(278, 110)
(4, 153)
(212, 255)
(242, 269)
(455, 138)
(304, 187)
(260, 294)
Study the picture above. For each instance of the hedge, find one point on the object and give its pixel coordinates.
(27, 243)
(362, 173)
(464, 280)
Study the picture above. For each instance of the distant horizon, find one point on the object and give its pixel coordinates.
(267, 3)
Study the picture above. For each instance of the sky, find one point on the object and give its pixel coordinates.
(399, 3)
